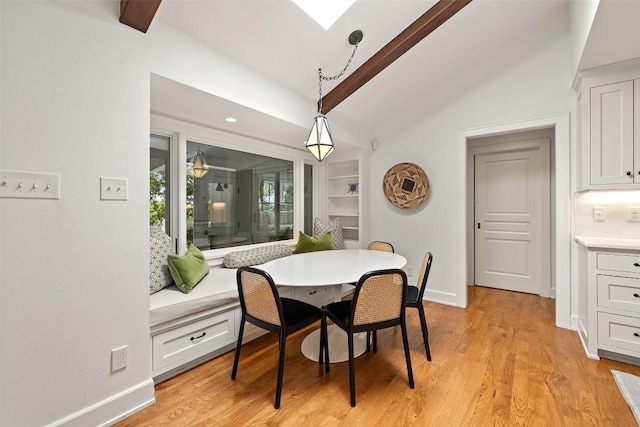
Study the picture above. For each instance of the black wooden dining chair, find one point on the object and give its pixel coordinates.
(415, 299)
(262, 307)
(377, 245)
(378, 302)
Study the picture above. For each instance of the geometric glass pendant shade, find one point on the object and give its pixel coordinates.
(200, 166)
(320, 142)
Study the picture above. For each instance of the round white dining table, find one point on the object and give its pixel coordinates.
(330, 268)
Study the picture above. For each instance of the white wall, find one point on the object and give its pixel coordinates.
(583, 12)
(75, 101)
(74, 279)
(539, 85)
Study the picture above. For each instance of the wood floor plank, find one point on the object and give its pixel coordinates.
(500, 362)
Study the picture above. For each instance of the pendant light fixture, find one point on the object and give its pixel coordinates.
(320, 142)
(200, 166)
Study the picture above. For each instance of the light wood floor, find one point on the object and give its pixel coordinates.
(500, 362)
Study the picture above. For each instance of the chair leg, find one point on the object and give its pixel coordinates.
(321, 344)
(375, 341)
(407, 354)
(324, 332)
(283, 341)
(234, 371)
(368, 341)
(352, 371)
(425, 331)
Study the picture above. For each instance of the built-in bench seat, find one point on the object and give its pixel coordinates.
(217, 289)
(187, 329)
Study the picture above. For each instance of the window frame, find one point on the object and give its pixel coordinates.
(179, 132)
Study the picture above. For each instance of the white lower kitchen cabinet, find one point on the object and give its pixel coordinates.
(609, 298)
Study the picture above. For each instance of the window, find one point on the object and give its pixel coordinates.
(226, 196)
(159, 188)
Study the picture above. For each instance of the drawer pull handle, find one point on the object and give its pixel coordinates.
(629, 173)
(635, 264)
(636, 295)
(635, 334)
(314, 292)
(198, 337)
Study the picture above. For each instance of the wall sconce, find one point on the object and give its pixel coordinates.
(320, 142)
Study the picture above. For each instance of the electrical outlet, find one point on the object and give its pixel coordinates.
(118, 358)
(633, 214)
(599, 213)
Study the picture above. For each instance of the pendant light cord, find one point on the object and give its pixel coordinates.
(336, 77)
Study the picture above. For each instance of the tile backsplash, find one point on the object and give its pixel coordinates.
(615, 205)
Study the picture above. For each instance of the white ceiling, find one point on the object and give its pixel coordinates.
(284, 44)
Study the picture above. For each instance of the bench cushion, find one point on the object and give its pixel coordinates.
(218, 288)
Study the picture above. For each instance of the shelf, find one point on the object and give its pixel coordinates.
(344, 177)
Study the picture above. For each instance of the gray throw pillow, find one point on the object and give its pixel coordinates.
(160, 246)
(334, 227)
(256, 256)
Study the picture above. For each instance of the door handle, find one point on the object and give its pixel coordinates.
(478, 226)
(629, 173)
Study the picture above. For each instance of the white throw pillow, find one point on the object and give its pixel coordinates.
(334, 227)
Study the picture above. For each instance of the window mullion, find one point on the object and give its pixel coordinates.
(179, 180)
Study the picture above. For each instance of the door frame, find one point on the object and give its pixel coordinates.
(533, 142)
(561, 189)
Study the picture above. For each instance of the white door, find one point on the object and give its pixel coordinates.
(508, 196)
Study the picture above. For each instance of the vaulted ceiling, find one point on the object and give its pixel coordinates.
(282, 43)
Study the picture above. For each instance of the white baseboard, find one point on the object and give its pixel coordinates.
(441, 297)
(113, 409)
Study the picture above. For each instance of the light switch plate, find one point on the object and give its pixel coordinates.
(113, 188)
(599, 213)
(29, 185)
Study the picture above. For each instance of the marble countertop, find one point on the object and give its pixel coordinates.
(608, 242)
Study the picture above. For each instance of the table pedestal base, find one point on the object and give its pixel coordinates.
(338, 347)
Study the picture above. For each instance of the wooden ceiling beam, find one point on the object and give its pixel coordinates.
(409, 37)
(138, 14)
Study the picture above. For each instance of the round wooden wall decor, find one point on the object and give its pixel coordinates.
(406, 185)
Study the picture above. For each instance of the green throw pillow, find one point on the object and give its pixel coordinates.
(189, 269)
(309, 244)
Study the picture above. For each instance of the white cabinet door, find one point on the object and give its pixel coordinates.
(612, 124)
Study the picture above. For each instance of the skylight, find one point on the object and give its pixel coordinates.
(324, 12)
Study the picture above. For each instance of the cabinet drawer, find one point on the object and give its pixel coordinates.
(619, 292)
(619, 331)
(194, 339)
(311, 294)
(619, 262)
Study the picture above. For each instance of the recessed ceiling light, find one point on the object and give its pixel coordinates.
(324, 12)
(230, 119)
